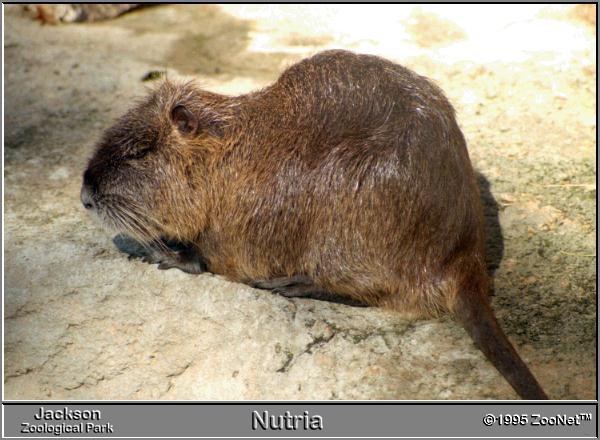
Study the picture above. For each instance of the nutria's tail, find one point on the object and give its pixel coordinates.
(477, 318)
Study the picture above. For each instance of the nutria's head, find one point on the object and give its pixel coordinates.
(146, 176)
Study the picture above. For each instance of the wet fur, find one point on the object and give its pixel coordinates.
(349, 171)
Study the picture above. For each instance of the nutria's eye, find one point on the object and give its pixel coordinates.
(140, 153)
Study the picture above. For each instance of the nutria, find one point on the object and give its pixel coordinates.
(348, 175)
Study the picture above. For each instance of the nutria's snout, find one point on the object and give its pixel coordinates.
(86, 192)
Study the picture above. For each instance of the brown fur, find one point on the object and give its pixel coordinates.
(350, 171)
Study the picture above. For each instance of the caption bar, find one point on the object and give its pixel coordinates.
(254, 419)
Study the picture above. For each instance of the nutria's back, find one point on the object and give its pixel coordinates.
(347, 151)
(349, 175)
(341, 94)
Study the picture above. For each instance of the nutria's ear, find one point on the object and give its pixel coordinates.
(186, 122)
(189, 124)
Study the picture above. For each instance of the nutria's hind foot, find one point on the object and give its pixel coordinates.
(297, 291)
(167, 254)
(301, 286)
(276, 283)
(298, 286)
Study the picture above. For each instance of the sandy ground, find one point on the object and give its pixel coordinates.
(82, 322)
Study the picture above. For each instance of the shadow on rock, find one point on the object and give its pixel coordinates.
(210, 42)
(494, 240)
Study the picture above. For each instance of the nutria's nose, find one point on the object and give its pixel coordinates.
(86, 193)
(86, 198)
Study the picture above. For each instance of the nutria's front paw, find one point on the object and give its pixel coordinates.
(185, 259)
(131, 247)
(190, 263)
(167, 254)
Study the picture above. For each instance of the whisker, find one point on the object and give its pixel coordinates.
(148, 231)
(127, 216)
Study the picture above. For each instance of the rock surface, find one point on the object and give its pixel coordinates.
(83, 322)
